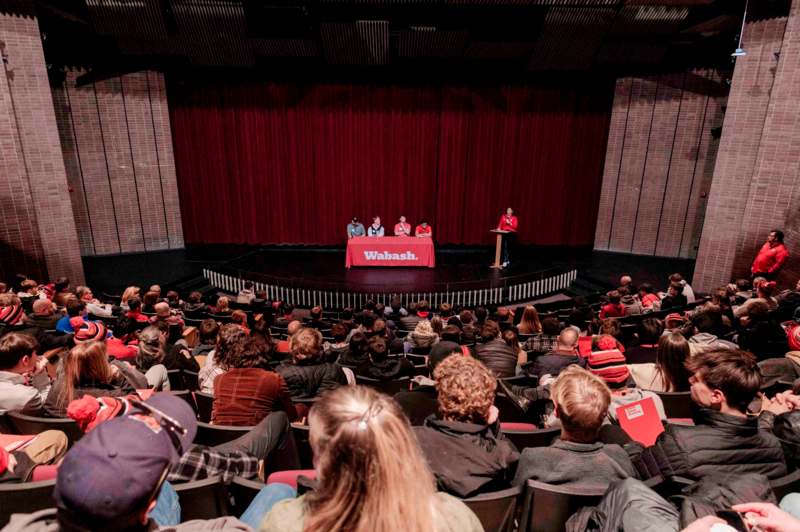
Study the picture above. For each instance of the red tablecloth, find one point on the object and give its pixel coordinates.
(390, 251)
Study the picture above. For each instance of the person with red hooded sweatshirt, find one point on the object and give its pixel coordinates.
(508, 222)
(771, 256)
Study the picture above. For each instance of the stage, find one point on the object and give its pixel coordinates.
(462, 270)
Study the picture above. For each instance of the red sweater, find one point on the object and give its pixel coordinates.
(245, 396)
(770, 258)
(611, 310)
(507, 223)
(423, 230)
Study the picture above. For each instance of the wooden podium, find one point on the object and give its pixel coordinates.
(498, 248)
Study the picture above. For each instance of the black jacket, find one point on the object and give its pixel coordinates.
(553, 363)
(306, 381)
(719, 443)
(467, 458)
(386, 370)
(765, 339)
(418, 403)
(498, 357)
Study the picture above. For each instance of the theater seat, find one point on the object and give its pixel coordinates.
(290, 477)
(23, 424)
(524, 436)
(202, 499)
(495, 510)
(546, 508)
(25, 498)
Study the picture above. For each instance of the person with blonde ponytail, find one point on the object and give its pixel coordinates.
(371, 474)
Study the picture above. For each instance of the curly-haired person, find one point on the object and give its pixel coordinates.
(463, 444)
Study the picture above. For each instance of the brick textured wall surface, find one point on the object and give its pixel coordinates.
(659, 163)
(756, 183)
(38, 230)
(117, 145)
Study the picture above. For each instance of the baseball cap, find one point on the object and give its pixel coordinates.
(117, 467)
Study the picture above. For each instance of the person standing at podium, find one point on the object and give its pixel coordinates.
(376, 229)
(402, 228)
(508, 222)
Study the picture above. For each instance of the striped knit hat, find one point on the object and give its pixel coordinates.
(610, 366)
(11, 315)
(87, 331)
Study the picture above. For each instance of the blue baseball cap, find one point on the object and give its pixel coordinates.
(115, 469)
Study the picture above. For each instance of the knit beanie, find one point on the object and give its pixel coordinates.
(87, 331)
(610, 366)
(11, 315)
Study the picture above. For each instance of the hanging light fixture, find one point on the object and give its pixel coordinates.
(739, 50)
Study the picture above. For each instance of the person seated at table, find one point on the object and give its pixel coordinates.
(376, 229)
(424, 230)
(355, 228)
(402, 228)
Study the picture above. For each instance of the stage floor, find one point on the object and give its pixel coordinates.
(457, 268)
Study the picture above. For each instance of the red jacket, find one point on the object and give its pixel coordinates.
(610, 310)
(505, 225)
(769, 258)
(423, 230)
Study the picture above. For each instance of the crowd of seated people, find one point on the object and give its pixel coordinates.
(265, 362)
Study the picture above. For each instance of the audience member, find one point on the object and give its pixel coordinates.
(545, 342)
(614, 308)
(44, 315)
(130, 293)
(577, 458)
(150, 359)
(647, 296)
(239, 317)
(246, 295)
(380, 366)
(307, 374)
(334, 350)
(87, 371)
(24, 379)
(463, 444)
(135, 311)
(230, 339)
(564, 354)
(194, 308)
(631, 304)
(701, 338)
(674, 298)
(649, 331)
(761, 334)
(371, 474)
(687, 290)
(724, 438)
(284, 347)
(764, 291)
(208, 331)
(316, 321)
(422, 338)
(246, 392)
(529, 323)
(668, 373)
(149, 301)
(495, 353)
(75, 308)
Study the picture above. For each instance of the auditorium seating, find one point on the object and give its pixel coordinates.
(202, 499)
(205, 404)
(212, 435)
(677, 405)
(25, 498)
(526, 437)
(546, 508)
(23, 424)
(495, 510)
(387, 387)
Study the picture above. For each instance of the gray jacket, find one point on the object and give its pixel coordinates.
(27, 398)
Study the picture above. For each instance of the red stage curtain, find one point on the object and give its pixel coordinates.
(277, 163)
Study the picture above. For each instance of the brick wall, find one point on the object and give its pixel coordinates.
(756, 184)
(37, 233)
(117, 145)
(659, 163)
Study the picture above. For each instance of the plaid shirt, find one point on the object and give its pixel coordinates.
(541, 343)
(201, 462)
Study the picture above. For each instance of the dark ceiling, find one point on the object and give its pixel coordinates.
(456, 38)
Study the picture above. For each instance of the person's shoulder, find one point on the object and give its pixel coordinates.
(455, 515)
(287, 515)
